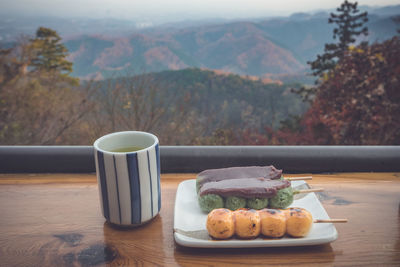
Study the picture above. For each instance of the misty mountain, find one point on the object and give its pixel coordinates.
(268, 48)
(13, 27)
(241, 48)
(305, 34)
(382, 11)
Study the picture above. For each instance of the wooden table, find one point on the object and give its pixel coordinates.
(55, 220)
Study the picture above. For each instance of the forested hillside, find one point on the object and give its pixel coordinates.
(223, 101)
(42, 104)
(354, 100)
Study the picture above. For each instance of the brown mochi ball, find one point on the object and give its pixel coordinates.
(220, 224)
(247, 223)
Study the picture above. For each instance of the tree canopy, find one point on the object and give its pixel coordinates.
(49, 53)
(360, 101)
(39, 100)
(349, 24)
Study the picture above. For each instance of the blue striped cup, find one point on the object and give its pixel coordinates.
(129, 182)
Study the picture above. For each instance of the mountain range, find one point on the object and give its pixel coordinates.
(272, 48)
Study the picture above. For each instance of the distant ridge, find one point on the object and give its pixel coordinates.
(266, 48)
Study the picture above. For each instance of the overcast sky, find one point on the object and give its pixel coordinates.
(172, 9)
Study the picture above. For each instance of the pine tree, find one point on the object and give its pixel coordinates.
(50, 53)
(349, 24)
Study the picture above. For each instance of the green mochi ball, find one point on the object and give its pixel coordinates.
(282, 199)
(234, 203)
(257, 203)
(210, 201)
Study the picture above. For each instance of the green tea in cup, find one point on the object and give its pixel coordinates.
(128, 174)
(127, 149)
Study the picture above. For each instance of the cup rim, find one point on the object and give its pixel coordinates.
(96, 143)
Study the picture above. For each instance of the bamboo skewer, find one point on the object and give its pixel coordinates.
(305, 191)
(330, 221)
(299, 178)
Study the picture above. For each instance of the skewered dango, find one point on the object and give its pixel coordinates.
(250, 223)
(236, 188)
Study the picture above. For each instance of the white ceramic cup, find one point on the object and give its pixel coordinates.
(129, 182)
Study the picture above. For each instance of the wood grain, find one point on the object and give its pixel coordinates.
(55, 220)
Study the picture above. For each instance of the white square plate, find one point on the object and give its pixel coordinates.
(190, 222)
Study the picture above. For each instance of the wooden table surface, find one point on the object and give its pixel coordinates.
(55, 220)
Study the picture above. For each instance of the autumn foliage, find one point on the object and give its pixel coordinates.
(359, 101)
